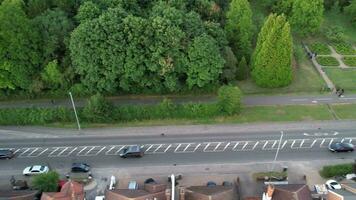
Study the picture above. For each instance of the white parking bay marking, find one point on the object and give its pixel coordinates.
(32, 152)
(97, 153)
(212, 147)
(114, 150)
(55, 149)
(240, 145)
(83, 149)
(186, 147)
(64, 149)
(24, 152)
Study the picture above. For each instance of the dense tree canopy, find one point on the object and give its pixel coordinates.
(351, 11)
(271, 65)
(239, 27)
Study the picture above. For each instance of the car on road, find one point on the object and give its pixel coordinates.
(6, 154)
(80, 167)
(332, 184)
(132, 151)
(341, 147)
(35, 169)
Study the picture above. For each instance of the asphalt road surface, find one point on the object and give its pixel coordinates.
(252, 147)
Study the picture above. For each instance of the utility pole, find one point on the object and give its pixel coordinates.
(173, 181)
(279, 146)
(75, 111)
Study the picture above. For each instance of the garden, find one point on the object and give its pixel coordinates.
(327, 61)
(350, 61)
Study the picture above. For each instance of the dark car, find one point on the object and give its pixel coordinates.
(341, 147)
(80, 167)
(131, 151)
(6, 154)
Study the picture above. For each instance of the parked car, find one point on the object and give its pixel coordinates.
(332, 184)
(6, 154)
(341, 147)
(35, 169)
(80, 167)
(131, 151)
(211, 184)
(133, 185)
(20, 185)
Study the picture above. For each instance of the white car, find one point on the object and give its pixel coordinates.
(332, 184)
(35, 169)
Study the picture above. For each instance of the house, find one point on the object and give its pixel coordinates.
(288, 191)
(70, 191)
(18, 195)
(151, 191)
(217, 192)
(348, 192)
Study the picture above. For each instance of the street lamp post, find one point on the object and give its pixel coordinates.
(279, 146)
(75, 111)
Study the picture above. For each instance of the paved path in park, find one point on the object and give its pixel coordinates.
(318, 67)
(247, 100)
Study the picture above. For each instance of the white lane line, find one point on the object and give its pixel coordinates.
(246, 143)
(65, 149)
(284, 144)
(97, 153)
(109, 150)
(24, 152)
(177, 147)
(68, 154)
(266, 142)
(322, 142)
(206, 147)
(226, 146)
(33, 152)
(292, 145)
(253, 148)
(301, 144)
(186, 147)
(158, 148)
(237, 143)
(342, 140)
(169, 146)
(149, 148)
(42, 152)
(116, 152)
(87, 153)
(196, 147)
(331, 141)
(51, 154)
(324, 99)
(274, 144)
(217, 146)
(17, 150)
(81, 150)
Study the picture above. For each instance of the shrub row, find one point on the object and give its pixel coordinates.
(327, 61)
(350, 61)
(344, 49)
(336, 170)
(99, 110)
(320, 48)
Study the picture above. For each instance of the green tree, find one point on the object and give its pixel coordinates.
(271, 63)
(52, 76)
(328, 4)
(229, 72)
(351, 11)
(343, 3)
(36, 7)
(229, 100)
(88, 11)
(283, 7)
(243, 70)
(47, 182)
(54, 27)
(307, 16)
(205, 62)
(98, 109)
(19, 45)
(239, 27)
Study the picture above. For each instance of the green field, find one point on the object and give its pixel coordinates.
(343, 78)
(345, 111)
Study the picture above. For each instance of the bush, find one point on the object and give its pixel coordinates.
(98, 109)
(344, 49)
(336, 170)
(46, 182)
(327, 61)
(334, 33)
(320, 48)
(229, 100)
(350, 61)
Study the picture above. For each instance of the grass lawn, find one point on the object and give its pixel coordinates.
(248, 115)
(327, 61)
(345, 111)
(305, 80)
(343, 78)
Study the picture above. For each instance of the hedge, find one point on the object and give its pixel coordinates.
(350, 61)
(344, 49)
(327, 61)
(336, 170)
(320, 48)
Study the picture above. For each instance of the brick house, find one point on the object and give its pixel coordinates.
(289, 191)
(70, 191)
(151, 191)
(217, 192)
